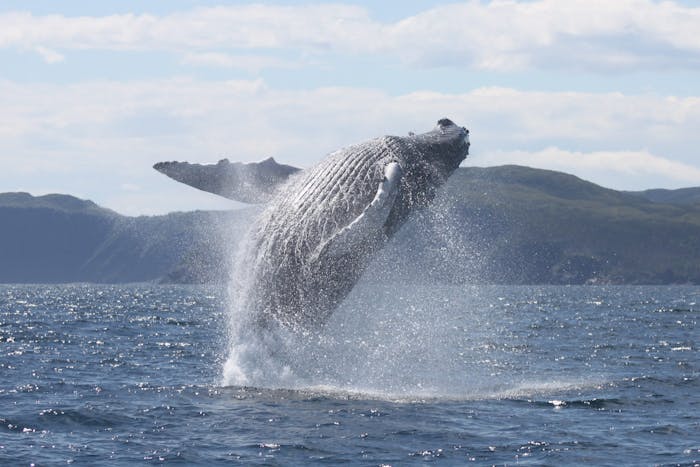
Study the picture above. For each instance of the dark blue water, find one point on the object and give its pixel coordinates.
(401, 375)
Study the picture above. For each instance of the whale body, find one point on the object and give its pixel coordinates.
(322, 226)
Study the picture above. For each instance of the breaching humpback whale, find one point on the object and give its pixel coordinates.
(321, 226)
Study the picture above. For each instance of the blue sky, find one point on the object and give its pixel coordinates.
(93, 93)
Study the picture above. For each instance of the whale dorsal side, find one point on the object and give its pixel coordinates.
(369, 225)
(254, 183)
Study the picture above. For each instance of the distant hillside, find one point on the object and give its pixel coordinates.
(681, 196)
(54, 202)
(60, 238)
(509, 224)
(519, 225)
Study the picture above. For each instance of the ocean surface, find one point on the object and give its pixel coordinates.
(401, 375)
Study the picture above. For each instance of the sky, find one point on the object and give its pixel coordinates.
(92, 94)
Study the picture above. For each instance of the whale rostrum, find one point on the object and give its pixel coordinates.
(321, 226)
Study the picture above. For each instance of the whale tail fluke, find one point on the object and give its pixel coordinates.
(253, 183)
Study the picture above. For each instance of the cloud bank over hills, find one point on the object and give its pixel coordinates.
(88, 102)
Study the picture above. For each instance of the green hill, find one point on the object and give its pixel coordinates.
(681, 196)
(522, 225)
(509, 225)
(60, 238)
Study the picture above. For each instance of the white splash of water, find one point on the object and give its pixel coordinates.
(386, 338)
(386, 341)
(402, 343)
(394, 339)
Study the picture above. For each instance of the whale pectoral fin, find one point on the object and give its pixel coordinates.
(368, 227)
(254, 183)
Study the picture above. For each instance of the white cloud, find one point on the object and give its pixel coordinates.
(620, 169)
(252, 63)
(247, 114)
(106, 135)
(246, 26)
(599, 34)
(49, 56)
(248, 119)
(496, 35)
